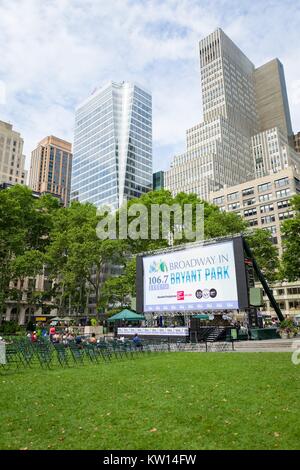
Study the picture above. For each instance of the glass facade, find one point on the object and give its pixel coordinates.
(158, 180)
(113, 145)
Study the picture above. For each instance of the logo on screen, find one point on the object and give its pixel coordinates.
(158, 267)
(198, 294)
(213, 293)
(205, 294)
(180, 295)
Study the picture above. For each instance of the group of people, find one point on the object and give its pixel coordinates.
(64, 336)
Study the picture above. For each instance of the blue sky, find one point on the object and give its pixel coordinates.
(54, 53)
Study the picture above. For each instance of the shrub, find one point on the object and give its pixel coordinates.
(9, 327)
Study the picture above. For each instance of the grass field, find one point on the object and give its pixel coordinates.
(164, 401)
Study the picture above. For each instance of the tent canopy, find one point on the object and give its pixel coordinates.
(202, 316)
(127, 315)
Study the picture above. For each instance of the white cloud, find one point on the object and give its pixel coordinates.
(53, 53)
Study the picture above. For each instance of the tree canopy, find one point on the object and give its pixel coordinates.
(290, 230)
(38, 234)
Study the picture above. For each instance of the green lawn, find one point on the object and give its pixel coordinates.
(164, 401)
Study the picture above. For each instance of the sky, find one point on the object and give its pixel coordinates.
(55, 53)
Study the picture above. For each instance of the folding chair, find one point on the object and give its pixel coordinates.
(62, 354)
(77, 353)
(12, 358)
(91, 353)
(104, 351)
(44, 353)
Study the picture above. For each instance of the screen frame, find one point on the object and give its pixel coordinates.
(240, 271)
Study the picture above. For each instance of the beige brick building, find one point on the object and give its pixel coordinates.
(265, 203)
(22, 311)
(50, 169)
(272, 152)
(287, 295)
(12, 160)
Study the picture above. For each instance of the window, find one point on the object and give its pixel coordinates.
(252, 222)
(218, 200)
(280, 291)
(265, 197)
(249, 212)
(233, 206)
(293, 290)
(232, 196)
(248, 191)
(271, 229)
(264, 187)
(266, 208)
(286, 215)
(283, 192)
(249, 202)
(293, 304)
(281, 182)
(283, 204)
(280, 304)
(267, 219)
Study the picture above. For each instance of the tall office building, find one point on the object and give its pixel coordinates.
(272, 152)
(113, 145)
(12, 160)
(242, 107)
(50, 169)
(158, 180)
(218, 149)
(271, 98)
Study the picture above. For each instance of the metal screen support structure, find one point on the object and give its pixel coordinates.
(263, 281)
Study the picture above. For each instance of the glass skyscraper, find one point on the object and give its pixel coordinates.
(113, 145)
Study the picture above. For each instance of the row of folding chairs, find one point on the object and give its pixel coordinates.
(22, 353)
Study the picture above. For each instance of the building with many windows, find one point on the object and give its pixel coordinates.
(158, 180)
(50, 168)
(272, 153)
(218, 149)
(12, 160)
(263, 202)
(271, 98)
(246, 131)
(287, 295)
(113, 145)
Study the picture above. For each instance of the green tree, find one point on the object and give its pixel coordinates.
(290, 231)
(265, 253)
(117, 291)
(77, 258)
(216, 223)
(25, 223)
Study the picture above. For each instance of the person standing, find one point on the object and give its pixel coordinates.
(52, 332)
(137, 341)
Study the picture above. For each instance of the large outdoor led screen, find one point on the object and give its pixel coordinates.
(207, 277)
